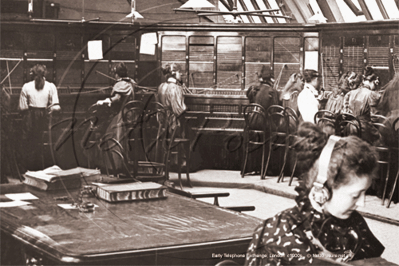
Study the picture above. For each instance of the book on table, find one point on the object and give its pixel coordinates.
(131, 191)
(54, 178)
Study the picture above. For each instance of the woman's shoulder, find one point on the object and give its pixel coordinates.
(123, 87)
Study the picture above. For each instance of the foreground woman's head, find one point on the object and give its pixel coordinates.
(352, 166)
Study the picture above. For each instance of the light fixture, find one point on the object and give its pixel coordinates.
(196, 5)
(134, 14)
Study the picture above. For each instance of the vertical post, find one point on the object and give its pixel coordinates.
(83, 10)
(133, 8)
(30, 8)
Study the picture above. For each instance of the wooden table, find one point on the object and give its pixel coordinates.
(172, 231)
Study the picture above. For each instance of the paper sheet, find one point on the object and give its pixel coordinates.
(312, 60)
(71, 206)
(68, 206)
(148, 42)
(95, 50)
(13, 203)
(21, 196)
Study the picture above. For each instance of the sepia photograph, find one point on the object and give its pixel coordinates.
(199, 132)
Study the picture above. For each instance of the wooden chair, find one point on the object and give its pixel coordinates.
(177, 143)
(153, 167)
(293, 120)
(323, 117)
(395, 128)
(90, 126)
(255, 126)
(384, 153)
(278, 126)
(109, 147)
(347, 124)
(166, 143)
(132, 117)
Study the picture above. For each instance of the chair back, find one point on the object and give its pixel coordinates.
(347, 124)
(132, 113)
(292, 118)
(255, 117)
(114, 158)
(324, 117)
(277, 119)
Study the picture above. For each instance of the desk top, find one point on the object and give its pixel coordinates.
(122, 227)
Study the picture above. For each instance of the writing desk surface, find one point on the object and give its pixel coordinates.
(120, 227)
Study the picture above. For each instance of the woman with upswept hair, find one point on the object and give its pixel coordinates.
(361, 101)
(122, 92)
(37, 100)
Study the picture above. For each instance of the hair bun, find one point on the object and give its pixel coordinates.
(368, 71)
(310, 142)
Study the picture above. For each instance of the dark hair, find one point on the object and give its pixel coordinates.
(39, 72)
(370, 75)
(266, 74)
(349, 81)
(350, 155)
(309, 74)
(120, 69)
(170, 70)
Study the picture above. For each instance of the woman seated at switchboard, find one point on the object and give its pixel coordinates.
(325, 223)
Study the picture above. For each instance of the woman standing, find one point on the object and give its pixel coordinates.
(171, 95)
(38, 99)
(122, 92)
(325, 223)
(308, 103)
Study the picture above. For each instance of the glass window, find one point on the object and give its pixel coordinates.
(174, 51)
(229, 62)
(311, 58)
(257, 55)
(201, 54)
(286, 58)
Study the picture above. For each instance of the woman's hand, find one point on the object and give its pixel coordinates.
(106, 101)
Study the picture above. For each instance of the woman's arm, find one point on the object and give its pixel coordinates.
(23, 100)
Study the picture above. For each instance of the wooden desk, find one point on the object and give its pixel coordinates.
(172, 231)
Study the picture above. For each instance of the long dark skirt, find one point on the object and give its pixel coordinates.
(35, 123)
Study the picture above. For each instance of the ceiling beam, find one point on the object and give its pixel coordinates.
(304, 9)
(245, 8)
(365, 9)
(353, 7)
(326, 10)
(256, 6)
(336, 12)
(226, 5)
(296, 12)
(382, 9)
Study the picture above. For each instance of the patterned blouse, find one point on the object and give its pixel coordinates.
(299, 234)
